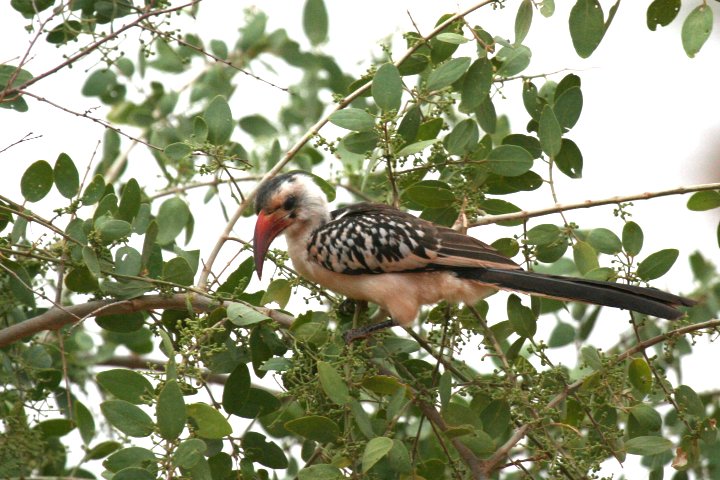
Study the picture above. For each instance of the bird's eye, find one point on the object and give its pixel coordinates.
(289, 203)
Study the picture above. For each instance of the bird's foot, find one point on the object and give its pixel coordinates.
(364, 332)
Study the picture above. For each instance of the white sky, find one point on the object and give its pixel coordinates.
(649, 119)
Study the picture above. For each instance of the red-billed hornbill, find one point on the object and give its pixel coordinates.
(380, 254)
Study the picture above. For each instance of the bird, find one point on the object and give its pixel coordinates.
(377, 253)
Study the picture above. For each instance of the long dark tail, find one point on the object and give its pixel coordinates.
(649, 301)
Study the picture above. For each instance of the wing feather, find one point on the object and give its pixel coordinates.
(375, 238)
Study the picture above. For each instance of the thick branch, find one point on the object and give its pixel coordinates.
(593, 203)
(202, 281)
(56, 318)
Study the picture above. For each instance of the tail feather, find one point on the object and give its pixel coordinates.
(649, 301)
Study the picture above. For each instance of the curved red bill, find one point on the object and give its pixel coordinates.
(267, 227)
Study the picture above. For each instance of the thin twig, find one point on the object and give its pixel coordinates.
(592, 203)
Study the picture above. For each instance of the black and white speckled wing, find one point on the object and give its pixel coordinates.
(376, 238)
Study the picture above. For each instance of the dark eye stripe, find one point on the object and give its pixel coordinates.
(289, 203)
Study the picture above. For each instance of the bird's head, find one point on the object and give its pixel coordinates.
(290, 203)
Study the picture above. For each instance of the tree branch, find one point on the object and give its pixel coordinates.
(592, 203)
(56, 318)
(312, 131)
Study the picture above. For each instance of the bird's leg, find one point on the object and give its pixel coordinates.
(364, 332)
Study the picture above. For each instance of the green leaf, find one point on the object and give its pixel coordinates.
(632, 238)
(320, 471)
(278, 291)
(66, 176)
(410, 124)
(487, 116)
(531, 144)
(585, 257)
(55, 427)
(454, 38)
(218, 118)
(134, 473)
(129, 201)
(447, 73)
(102, 450)
(257, 449)
(127, 261)
(315, 21)
(514, 59)
(549, 132)
(18, 76)
(78, 279)
(496, 417)
(563, 334)
(189, 453)
(375, 450)
(236, 389)
(122, 322)
(131, 457)
(476, 85)
(604, 241)
(333, 384)
(210, 423)
(657, 264)
(662, 12)
(509, 160)
(177, 270)
(94, 191)
(548, 8)
(701, 201)
(37, 181)
(172, 217)
(647, 417)
(84, 420)
(544, 234)
(587, 26)
(415, 148)
(315, 427)
(127, 418)
(523, 20)
(238, 280)
(387, 87)
(258, 403)
(177, 151)
(429, 193)
(416, 63)
(242, 315)
(647, 445)
(568, 106)
(640, 375)
(521, 318)
(258, 126)
(689, 401)
(170, 411)
(569, 160)
(360, 142)
(353, 119)
(126, 385)
(113, 230)
(463, 138)
(696, 29)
